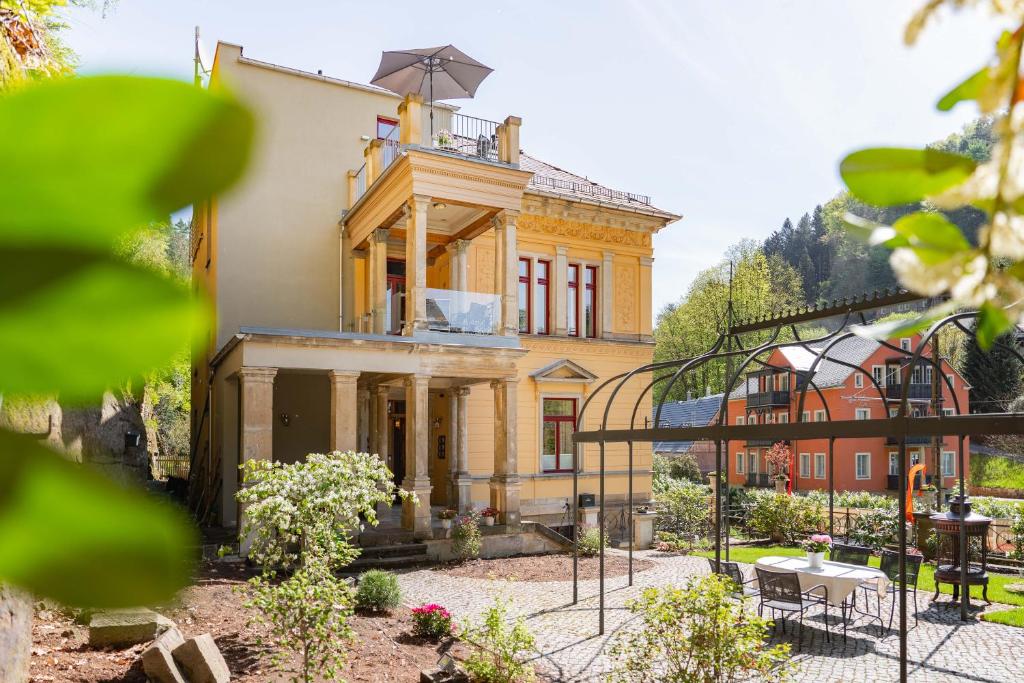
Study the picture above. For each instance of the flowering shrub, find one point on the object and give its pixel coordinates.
(782, 517)
(432, 621)
(853, 499)
(779, 457)
(489, 512)
(500, 650)
(466, 537)
(875, 529)
(589, 543)
(817, 543)
(447, 514)
(1017, 530)
(699, 632)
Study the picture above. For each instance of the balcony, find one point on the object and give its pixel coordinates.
(759, 480)
(911, 441)
(765, 399)
(892, 481)
(761, 443)
(917, 392)
(463, 312)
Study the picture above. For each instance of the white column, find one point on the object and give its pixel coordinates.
(505, 483)
(417, 456)
(416, 265)
(458, 265)
(346, 282)
(378, 280)
(607, 295)
(463, 481)
(560, 281)
(344, 410)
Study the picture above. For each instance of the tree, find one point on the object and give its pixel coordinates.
(994, 375)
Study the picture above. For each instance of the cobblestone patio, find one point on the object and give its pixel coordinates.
(941, 647)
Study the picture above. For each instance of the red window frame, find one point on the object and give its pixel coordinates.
(573, 279)
(388, 121)
(526, 279)
(592, 287)
(558, 420)
(545, 282)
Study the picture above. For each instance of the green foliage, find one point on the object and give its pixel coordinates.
(782, 517)
(294, 511)
(500, 649)
(94, 158)
(378, 591)
(875, 528)
(669, 469)
(589, 543)
(307, 613)
(466, 538)
(853, 499)
(683, 511)
(431, 621)
(697, 634)
(1017, 530)
(996, 508)
(887, 176)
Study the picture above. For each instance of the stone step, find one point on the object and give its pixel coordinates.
(396, 562)
(399, 550)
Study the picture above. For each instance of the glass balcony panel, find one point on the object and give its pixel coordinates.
(463, 312)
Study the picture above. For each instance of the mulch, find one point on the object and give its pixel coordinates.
(539, 568)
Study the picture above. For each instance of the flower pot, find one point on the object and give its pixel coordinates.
(488, 521)
(446, 524)
(814, 560)
(780, 485)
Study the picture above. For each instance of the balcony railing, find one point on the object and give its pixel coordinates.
(892, 481)
(469, 136)
(911, 441)
(463, 312)
(767, 398)
(915, 391)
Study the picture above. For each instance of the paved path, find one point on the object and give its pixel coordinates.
(941, 648)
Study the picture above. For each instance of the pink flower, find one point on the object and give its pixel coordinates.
(822, 538)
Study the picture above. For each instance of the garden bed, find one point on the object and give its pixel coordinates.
(384, 650)
(538, 568)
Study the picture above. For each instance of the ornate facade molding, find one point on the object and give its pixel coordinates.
(564, 227)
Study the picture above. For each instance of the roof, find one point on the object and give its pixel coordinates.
(697, 412)
(853, 350)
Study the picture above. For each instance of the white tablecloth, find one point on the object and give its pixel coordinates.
(841, 579)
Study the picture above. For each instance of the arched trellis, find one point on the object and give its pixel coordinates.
(900, 426)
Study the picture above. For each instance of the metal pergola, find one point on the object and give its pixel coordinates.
(658, 379)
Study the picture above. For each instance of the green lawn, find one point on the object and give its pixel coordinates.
(926, 581)
(996, 472)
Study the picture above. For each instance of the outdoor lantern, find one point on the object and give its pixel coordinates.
(947, 547)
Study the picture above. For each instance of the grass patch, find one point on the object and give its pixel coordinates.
(1010, 617)
(925, 582)
(996, 472)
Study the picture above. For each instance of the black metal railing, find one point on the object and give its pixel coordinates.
(915, 391)
(768, 398)
(759, 480)
(892, 481)
(597, 191)
(754, 443)
(469, 136)
(911, 441)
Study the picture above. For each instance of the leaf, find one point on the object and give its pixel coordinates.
(87, 159)
(77, 321)
(992, 322)
(887, 176)
(69, 534)
(969, 89)
(930, 235)
(904, 326)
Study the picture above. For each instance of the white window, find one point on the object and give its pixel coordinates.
(740, 419)
(805, 465)
(905, 344)
(782, 418)
(752, 460)
(805, 416)
(892, 375)
(878, 372)
(858, 381)
(948, 412)
(766, 418)
(948, 464)
(952, 381)
(862, 466)
(819, 415)
(740, 462)
(819, 465)
(863, 414)
(894, 464)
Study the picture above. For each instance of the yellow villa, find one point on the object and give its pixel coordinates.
(443, 300)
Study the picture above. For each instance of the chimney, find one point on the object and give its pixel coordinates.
(689, 395)
(707, 391)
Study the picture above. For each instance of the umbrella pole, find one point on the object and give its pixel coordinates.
(431, 72)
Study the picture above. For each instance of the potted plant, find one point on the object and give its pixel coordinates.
(489, 514)
(816, 546)
(778, 457)
(444, 139)
(446, 517)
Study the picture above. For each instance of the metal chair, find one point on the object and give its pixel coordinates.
(850, 554)
(781, 592)
(732, 570)
(890, 566)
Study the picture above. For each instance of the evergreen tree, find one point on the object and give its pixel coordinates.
(995, 376)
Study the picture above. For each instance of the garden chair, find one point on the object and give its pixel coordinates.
(890, 566)
(781, 592)
(850, 554)
(732, 570)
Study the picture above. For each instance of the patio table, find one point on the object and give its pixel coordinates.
(841, 579)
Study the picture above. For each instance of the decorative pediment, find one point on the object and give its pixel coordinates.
(563, 370)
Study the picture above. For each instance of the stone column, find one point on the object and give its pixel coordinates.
(256, 419)
(363, 420)
(458, 265)
(416, 265)
(646, 325)
(460, 454)
(344, 410)
(371, 421)
(346, 282)
(506, 270)
(417, 456)
(505, 483)
(452, 448)
(605, 308)
(378, 280)
(381, 425)
(560, 281)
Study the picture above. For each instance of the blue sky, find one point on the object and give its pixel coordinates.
(734, 114)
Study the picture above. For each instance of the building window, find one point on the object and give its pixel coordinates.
(782, 418)
(894, 464)
(524, 296)
(892, 375)
(541, 295)
(740, 419)
(819, 415)
(952, 381)
(752, 460)
(862, 414)
(573, 300)
(921, 374)
(858, 381)
(948, 412)
(740, 458)
(819, 465)
(394, 301)
(805, 465)
(893, 412)
(863, 466)
(948, 464)
(805, 416)
(590, 301)
(905, 344)
(387, 129)
(556, 443)
(878, 372)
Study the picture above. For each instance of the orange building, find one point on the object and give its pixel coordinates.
(771, 395)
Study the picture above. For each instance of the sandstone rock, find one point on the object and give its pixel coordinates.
(158, 661)
(202, 661)
(121, 628)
